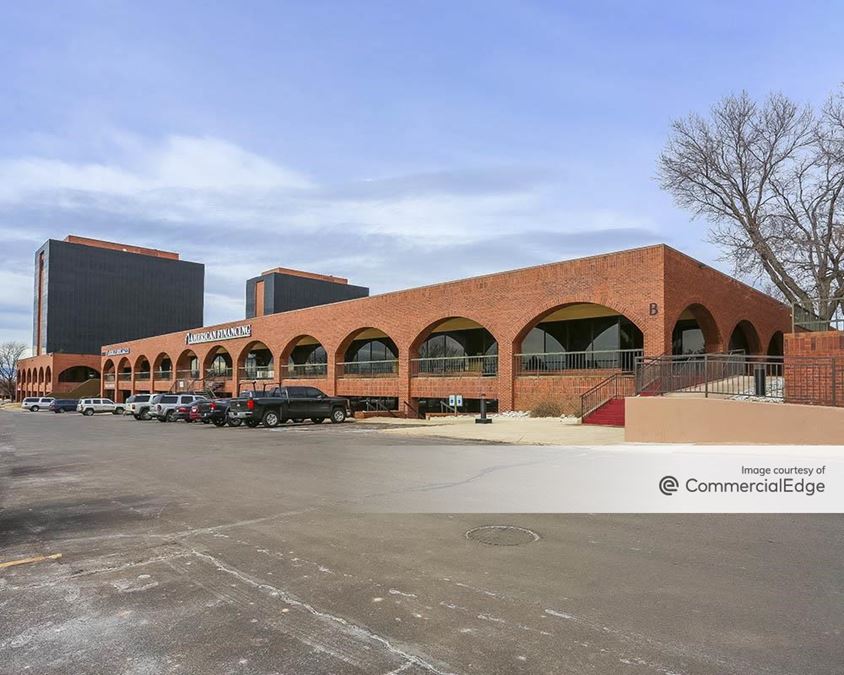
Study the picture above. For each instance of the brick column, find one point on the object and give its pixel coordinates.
(505, 375)
(404, 380)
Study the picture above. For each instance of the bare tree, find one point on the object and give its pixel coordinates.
(10, 354)
(769, 177)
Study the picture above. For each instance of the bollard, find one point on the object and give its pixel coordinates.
(759, 380)
(483, 419)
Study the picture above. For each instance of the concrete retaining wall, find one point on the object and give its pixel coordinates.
(699, 420)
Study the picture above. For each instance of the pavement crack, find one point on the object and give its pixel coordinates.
(291, 600)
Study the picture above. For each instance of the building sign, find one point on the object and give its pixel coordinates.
(119, 351)
(231, 333)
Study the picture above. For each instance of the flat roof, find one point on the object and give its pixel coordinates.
(126, 248)
(306, 275)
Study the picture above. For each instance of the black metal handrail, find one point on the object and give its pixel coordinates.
(619, 385)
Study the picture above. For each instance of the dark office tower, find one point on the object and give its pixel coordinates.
(89, 293)
(282, 289)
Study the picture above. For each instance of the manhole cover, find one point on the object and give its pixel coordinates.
(502, 535)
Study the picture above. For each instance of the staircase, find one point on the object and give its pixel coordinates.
(610, 414)
(604, 403)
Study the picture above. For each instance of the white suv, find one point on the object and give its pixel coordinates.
(89, 406)
(163, 406)
(36, 403)
(138, 406)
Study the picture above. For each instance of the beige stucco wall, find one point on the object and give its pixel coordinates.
(676, 419)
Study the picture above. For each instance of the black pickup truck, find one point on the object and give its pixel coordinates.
(277, 405)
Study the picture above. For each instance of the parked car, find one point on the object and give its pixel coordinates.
(89, 406)
(61, 405)
(138, 406)
(215, 411)
(163, 406)
(36, 403)
(182, 413)
(285, 403)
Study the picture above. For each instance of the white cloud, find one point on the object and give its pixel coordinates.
(187, 180)
(179, 163)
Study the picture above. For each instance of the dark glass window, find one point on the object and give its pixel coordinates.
(687, 338)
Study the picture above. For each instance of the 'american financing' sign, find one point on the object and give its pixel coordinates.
(229, 333)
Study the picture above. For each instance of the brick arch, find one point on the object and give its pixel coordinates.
(425, 333)
(156, 364)
(345, 343)
(751, 336)
(184, 359)
(243, 353)
(284, 356)
(537, 319)
(712, 334)
(123, 363)
(41, 375)
(776, 344)
(212, 353)
(108, 366)
(48, 376)
(135, 366)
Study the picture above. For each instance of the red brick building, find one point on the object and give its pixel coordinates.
(517, 337)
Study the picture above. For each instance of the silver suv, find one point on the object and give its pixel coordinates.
(36, 403)
(162, 407)
(89, 406)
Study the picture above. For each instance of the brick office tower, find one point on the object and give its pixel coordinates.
(282, 290)
(89, 292)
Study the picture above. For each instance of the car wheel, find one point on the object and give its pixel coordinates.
(252, 423)
(136, 416)
(298, 420)
(118, 411)
(338, 415)
(88, 412)
(317, 420)
(270, 419)
(170, 416)
(206, 421)
(145, 415)
(234, 422)
(218, 423)
(34, 408)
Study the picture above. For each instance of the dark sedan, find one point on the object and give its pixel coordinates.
(62, 405)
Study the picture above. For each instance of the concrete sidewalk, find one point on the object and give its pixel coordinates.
(518, 430)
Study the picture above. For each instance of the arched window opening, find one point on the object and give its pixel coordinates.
(370, 353)
(580, 336)
(695, 332)
(257, 363)
(456, 347)
(308, 358)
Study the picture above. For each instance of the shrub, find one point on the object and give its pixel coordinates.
(546, 409)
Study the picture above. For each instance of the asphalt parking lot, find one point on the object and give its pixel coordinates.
(192, 549)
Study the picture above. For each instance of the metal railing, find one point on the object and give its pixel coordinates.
(163, 374)
(383, 368)
(455, 366)
(619, 385)
(720, 375)
(807, 315)
(124, 377)
(295, 371)
(218, 374)
(558, 362)
(142, 375)
(109, 377)
(188, 374)
(256, 373)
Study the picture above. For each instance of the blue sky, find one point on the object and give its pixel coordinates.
(395, 143)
